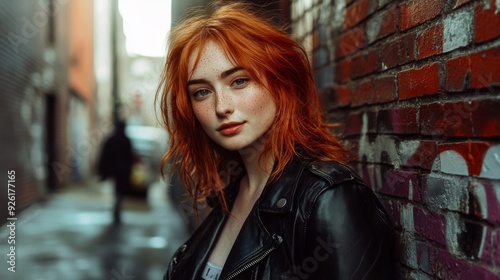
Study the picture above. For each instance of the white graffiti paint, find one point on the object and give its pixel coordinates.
(407, 150)
(487, 5)
(373, 27)
(409, 252)
(32, 156)
(444, 191)
(491, 163)
(452, 162)
(480, 196)
(448, 187)
(383, 146)
(339, 14)
(457, 31)
(452, 192)
(454, 226)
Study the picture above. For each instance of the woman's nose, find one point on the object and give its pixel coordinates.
(224, 104)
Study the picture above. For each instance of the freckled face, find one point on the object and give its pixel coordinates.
(233, 109)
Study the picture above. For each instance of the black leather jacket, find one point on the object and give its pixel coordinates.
(317, 221)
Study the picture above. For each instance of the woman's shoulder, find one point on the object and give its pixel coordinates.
(331, 173)
(340, 180)
(335, 186)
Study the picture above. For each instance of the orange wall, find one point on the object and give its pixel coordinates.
(81, 71)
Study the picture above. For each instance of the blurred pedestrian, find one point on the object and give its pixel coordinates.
(247, 134)
(115, 163)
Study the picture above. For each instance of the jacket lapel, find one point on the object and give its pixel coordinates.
(199, 246)
(255, 240)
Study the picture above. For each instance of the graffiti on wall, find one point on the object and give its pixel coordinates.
(455, 180)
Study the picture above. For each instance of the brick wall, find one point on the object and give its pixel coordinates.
(35, 100)
(22, 101)
(416, 85)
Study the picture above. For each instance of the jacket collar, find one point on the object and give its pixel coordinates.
(277, 197)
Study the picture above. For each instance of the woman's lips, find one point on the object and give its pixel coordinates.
(232, 128)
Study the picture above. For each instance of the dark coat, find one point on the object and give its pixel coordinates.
(116, 158)
(317, 221)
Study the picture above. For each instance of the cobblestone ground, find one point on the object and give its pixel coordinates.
(72, 236)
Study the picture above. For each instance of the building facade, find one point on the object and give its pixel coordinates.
(47, 95)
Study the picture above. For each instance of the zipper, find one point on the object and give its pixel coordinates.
(275, 243)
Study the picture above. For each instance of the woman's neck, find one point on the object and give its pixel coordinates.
(257, 174)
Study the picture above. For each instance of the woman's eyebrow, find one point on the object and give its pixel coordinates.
(230, 71)
(197, 81)
(222, 76)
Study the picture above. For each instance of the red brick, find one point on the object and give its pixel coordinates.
(355, 13)
(398, 121)
(362, 93)
(413, 13)
(430, 41)
(390, 54)
(451, 268)
(485, 117)
(457, 73)
(342, 96)
(471, 152)
(372, 120)
(343, 71)
(485, 68)
(397, 183)
(364, 64)
(476, 71)
(384, 23)
(486, 22)
(455, 268)
(398, 52)
(424, 155)
(430, 225)
(353, 124)
(350, 42)
(419, 81)
(445, 120)
(355, 121)
(389, 22)
(384, 90)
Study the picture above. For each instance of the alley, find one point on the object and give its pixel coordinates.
(72, 236)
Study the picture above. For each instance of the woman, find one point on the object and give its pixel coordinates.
(240, 104)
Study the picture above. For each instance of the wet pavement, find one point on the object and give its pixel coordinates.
(72, 236)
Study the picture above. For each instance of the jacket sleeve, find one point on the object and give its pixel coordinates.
(349, 236)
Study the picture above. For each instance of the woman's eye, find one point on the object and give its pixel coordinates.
(201, 93)
(240, 82)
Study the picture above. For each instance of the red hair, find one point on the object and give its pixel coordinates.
(269, 54)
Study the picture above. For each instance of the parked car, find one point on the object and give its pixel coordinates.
(148, 145)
